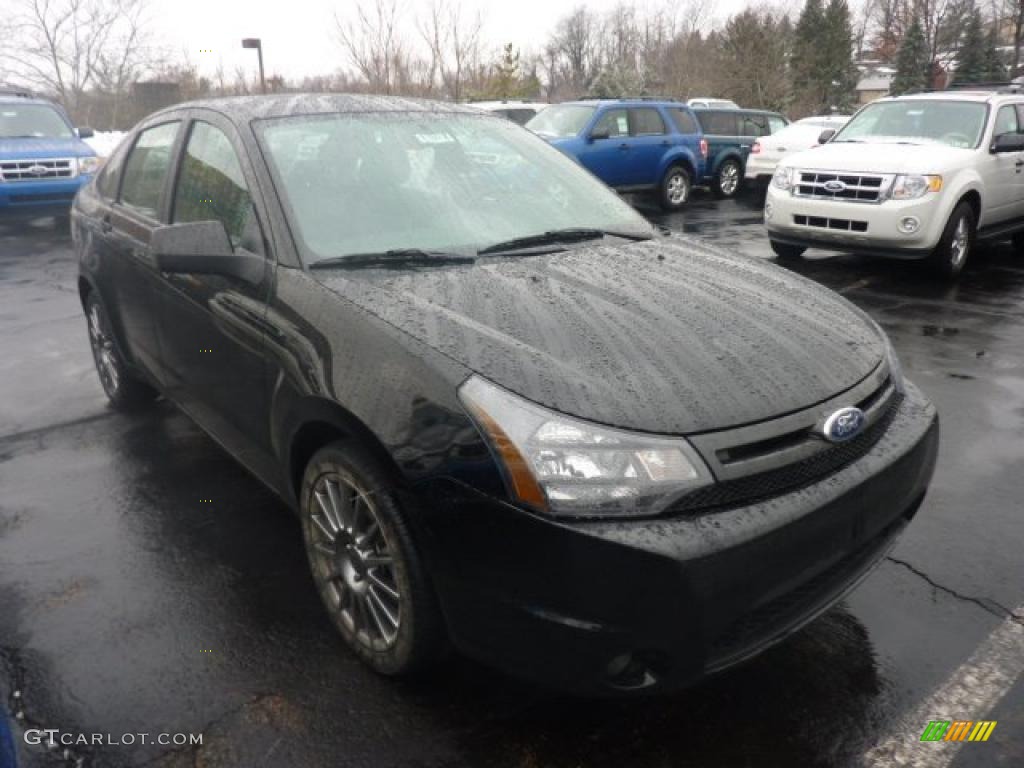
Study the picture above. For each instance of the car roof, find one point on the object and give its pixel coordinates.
(979, 95)
(625, 102)
(242, 109)
(9, 98)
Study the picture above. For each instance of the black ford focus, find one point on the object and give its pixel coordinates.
(512, 416)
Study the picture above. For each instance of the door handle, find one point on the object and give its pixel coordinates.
(1019, 163)
(666, 143)
(623, 146)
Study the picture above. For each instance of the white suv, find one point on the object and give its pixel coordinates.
(921, 176)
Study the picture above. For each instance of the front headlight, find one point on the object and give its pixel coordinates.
(569, 467)
(895, 367)
(913, 186)
(783, 178)
(88, 164)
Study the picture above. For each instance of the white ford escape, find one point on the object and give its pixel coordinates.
(913, 177)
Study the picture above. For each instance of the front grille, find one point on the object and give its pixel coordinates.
(791, 477)
(758, 461)
(843, 225)
(37, 170)
(854, 188)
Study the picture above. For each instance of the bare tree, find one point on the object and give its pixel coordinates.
(373, 43)
(66, 46)
(454, 43)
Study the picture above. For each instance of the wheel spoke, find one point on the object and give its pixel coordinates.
(339, 504)
(382, 585)
(328, 533)
(368, 535)
(374, 600)
(377, 620)
(377, 561)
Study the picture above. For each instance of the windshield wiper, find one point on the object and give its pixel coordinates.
(570, 235)
(396, 256)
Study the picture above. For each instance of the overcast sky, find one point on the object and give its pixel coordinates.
(298, 35)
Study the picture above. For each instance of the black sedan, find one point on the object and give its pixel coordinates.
(512, 416)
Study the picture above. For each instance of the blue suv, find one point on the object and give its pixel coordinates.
(630, 144)
(43, 160)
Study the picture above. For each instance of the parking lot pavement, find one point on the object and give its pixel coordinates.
(149, 585)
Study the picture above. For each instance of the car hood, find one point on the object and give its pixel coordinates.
(670, 336)
(17, 149)
(877, 157)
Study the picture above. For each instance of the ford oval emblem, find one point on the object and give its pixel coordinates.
(845, 424)
(834, 185)
(37, 170)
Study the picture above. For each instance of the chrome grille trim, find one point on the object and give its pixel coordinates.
(798, 434)
(54, 168)
(859, 187)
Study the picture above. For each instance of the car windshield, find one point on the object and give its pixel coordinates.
(561, 121)
(32, 121)
(355, 184)
(918, 121)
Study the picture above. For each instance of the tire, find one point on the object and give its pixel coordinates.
(364, 562)
(950, 255)
(675, 189)
(728, 180)
(124, 391)
(786, 252)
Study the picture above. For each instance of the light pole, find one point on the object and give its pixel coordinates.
(254, 42)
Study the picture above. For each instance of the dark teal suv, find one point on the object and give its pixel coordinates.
(633, 145)
(43, 160)
(730, 133)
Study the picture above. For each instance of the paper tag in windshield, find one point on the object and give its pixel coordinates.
(435, 138)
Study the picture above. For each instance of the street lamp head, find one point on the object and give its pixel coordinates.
(251, 42)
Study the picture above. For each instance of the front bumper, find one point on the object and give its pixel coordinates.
(29, 199)
(607, 607)
(819, 223)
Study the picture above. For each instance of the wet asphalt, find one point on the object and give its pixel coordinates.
(149, 585)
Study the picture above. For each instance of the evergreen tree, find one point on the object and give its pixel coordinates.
(994, 68)
(839, 73)
(972, 59)
(807, 52)
(913, 67)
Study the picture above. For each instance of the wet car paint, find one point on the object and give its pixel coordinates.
(132, 603)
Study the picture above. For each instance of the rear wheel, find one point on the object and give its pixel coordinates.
(364, 561)
(124, 390)
(950, 255)
(728, 179)
(787, 252)
(675, 188)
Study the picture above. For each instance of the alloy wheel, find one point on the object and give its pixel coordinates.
(960, 243)
(729, 179)
(353, 562)
(103, 351)
(677, 188)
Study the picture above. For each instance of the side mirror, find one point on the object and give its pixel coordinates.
(825, 135)
(85, 132)
(1007, 142)
(203, 247)
(594, 135)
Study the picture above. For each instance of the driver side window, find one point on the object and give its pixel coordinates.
(1006, 121)
(614, 122)
(211, 186)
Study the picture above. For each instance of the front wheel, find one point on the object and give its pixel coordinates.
(124, 391)
(364, 562)
(950, 255)
(675, 188)
(728, 179)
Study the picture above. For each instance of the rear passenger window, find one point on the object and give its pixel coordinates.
(614, 122)
(145, 171)
(684, 121)
(110, 176)
(719, 123)
(775, 123)
(647, 122)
